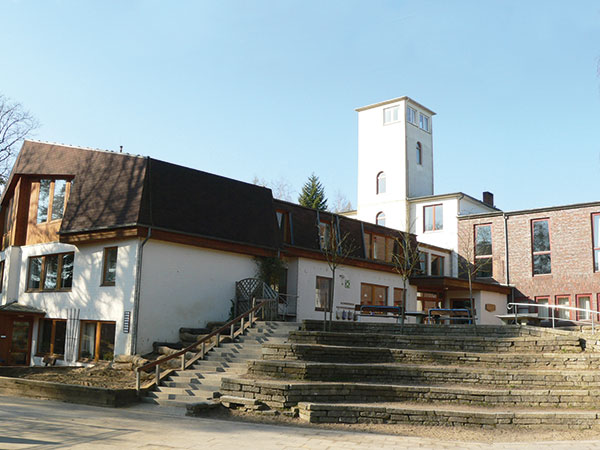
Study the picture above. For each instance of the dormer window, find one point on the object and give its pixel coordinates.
(381, 183)
(51, 200)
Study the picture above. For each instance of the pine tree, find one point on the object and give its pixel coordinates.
(313, 194)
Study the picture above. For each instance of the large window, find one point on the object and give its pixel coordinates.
(379, 247)
(51, 200)
(433, 218)
(437, 265)
(483, 251)
(391, 114)
(323, 289)
(540, 245)
(97, 340)
(52, 337)
(109, 267)
(596, 240)
(372, 294)
(50, 272)
(381, 183)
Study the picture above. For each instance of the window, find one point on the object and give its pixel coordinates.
(411, 115)
(372, 294)
(52, 337)
(324, 234)
(398, 295)
(433, 218)
(596, 240)
(543, 311)
(380, 219)
(584, 302)
(540, 237)
(109, 266)
(483, 251)
(1, 275)
(422, 263)
(322, 294)
(563, 300)
(50, 272)
(381, 183)
(419, 154)
(437, 265)
(379, 247)
(51, 200)
(283, 220)
(97, 340)
(423, 122)
(391, 114)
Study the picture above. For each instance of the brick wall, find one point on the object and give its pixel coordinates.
(571, 252)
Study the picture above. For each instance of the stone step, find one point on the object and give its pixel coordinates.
(279, 395)
(421, 374)
(400, 413)
(545, 344)
(198, 390)
(347, 354)
(183, 402)
(192, 384)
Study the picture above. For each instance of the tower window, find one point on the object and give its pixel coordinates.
(380, 219)
(381, 183)
(423, 122)
(419, 154)
(411, 115)
(391, 114)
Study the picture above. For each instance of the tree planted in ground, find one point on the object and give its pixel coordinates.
(16, 123)
(406, 261)
(336, 247)
(313, 194)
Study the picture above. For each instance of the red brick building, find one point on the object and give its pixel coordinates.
(553, 253)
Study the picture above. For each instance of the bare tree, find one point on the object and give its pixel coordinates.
(336, 247)
(280, 187)
(406, 263)
(341, 203)
(16, 124)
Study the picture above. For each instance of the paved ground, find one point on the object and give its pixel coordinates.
(42, 424)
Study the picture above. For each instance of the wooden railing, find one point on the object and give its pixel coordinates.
(205, 344)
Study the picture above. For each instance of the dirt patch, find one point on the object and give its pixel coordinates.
(100, 375)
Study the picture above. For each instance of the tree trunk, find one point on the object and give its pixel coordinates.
(332, 297)
(403, 316)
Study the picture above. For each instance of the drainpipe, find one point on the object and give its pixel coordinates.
(506, 265)
(137, 292)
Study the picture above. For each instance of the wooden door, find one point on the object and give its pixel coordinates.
(4, 340)
(15, 345)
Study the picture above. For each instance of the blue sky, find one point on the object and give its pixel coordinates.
(269, 88)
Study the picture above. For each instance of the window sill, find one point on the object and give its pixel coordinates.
(433, 231)
(108, 285)
(32, 291)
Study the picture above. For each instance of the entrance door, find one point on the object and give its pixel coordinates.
(15, 341)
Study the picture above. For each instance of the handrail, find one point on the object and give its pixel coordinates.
(203, 340)
(590, 312)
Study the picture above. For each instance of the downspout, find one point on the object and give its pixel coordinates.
(137, 292)
(506, 265)
(457, 235)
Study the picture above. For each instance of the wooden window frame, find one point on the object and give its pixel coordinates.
(96, 338)
(51, 199)
(2, 275)
(388, 250)
(481, 257)
(52, 337)
(539, 253)
(425, 230)
(398, 302)
(330, 280)
(373, 287)
(105, 265)
(595, 245)
(378, 179)
(284, 226)
(59, 287)
(432, 257)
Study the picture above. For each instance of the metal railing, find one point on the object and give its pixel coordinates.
(206, 343)
(590, 313)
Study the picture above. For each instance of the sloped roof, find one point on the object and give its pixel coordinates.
(14, 307)
(112, 190)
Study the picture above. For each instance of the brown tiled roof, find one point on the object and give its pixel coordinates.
(112, 190)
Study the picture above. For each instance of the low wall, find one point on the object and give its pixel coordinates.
(70, 393)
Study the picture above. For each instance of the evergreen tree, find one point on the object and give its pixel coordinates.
(313, 194)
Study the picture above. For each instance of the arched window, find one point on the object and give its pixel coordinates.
(381, 183)
(419, 153)
(380, 219)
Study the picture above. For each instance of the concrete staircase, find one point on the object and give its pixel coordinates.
(452, 375)
(202, 381)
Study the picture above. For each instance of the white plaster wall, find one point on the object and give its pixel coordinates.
(95, 302)
(468, 206)
(309, 269)
(420, 176)
(185, 286)
(482, 298)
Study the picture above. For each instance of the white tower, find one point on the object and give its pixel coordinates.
(395, 159)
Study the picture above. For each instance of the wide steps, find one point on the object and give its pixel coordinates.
(539, 344)
(278, 394)
(421, 374)
(368, 355)
(434, 415)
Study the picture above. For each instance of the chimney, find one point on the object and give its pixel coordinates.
(488, 198)
(121, 150)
